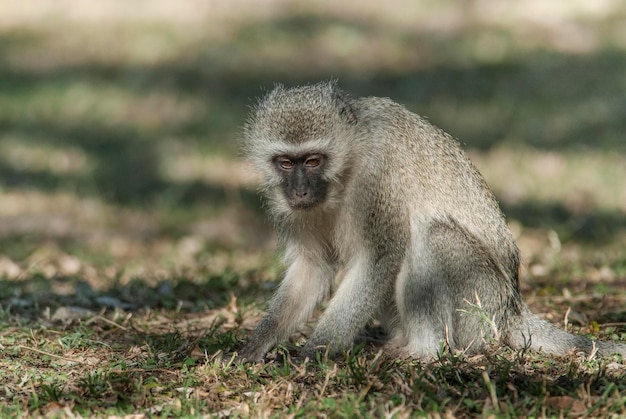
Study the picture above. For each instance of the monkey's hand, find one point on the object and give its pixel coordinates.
(317, 345)
(251, 353)
(261, 340)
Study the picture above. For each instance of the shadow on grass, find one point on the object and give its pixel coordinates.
(28, 297)
(127, 169)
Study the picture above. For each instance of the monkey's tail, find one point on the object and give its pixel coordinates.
(540, 335)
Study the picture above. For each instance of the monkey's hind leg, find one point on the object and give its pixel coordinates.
(425, 319)
(423, 303)
(451, 292)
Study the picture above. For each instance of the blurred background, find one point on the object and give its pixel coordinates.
(119, 126)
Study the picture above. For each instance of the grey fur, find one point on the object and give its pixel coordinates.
(408, 217)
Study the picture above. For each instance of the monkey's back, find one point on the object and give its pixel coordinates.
(435, 176)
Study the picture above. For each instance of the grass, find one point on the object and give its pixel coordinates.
(134, 252)
(115, 368)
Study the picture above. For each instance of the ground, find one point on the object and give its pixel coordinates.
(135, 255)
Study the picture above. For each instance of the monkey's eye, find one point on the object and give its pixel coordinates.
(286, 164)
(312, 162)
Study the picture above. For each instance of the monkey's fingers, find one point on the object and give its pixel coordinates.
(249, 354)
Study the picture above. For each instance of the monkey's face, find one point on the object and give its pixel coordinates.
(302, 181)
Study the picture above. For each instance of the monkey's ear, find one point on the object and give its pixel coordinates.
(346, 110)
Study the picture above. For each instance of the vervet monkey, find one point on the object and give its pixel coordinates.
(368, 186)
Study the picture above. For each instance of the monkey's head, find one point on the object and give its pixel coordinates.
(299, 138)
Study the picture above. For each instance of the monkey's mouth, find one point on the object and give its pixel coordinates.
(302, 204)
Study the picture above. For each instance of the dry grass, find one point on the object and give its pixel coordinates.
(134, 252)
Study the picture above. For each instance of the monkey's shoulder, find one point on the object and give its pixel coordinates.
(382, 110)
(387, 114)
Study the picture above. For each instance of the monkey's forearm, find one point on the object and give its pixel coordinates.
(262, 339)
(355, 303)
(305, 284)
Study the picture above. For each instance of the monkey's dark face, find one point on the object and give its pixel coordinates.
(303, 183)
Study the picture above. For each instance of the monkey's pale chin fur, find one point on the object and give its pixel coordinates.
(423, 245)
(304, 206)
